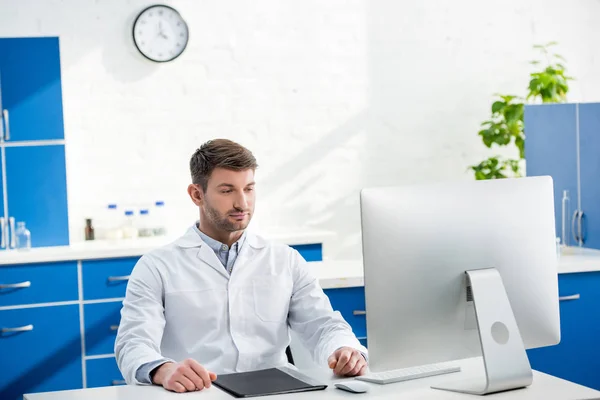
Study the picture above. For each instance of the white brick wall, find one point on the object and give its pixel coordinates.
(330, 95)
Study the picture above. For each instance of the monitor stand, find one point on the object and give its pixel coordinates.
(505, 360)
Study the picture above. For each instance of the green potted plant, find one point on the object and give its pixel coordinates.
(505, 127)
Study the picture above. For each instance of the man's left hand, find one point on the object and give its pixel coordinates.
(347, 361)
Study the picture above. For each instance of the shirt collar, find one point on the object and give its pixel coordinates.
(191, 238)
(215, 244)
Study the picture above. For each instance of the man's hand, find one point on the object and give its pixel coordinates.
(347, 361)
(186, 376)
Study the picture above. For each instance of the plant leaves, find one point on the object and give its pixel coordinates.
(498, 106)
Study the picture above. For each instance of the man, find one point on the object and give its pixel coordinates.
(221, 299)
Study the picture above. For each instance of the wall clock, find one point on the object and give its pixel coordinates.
(160, 33)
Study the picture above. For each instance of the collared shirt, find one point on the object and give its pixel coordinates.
(227, 255)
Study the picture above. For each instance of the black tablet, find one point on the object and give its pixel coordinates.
(266, 382)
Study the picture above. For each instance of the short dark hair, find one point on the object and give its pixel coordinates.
(219, 153)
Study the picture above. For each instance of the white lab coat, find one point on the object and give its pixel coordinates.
(181, 303)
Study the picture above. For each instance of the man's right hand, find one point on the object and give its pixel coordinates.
(185, 376)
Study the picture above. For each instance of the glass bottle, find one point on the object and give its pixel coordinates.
(566, 216)
(23, 237)
(89, 229)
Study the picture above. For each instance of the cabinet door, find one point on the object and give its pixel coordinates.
(101, 324)
(103, 372)
(37, 192)
(106, 279)
(39, 283)
(45, 356)
(589, 139)
(350, 302)
(31, 87)
(551, 149)
(577, 357)
(3, 240)
(310, 252)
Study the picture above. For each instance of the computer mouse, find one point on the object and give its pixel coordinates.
(352, 386)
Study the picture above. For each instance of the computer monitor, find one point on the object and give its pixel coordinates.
(420, 241)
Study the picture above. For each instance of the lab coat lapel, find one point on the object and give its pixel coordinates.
(208, 257)
(250, 251)
(192, 241)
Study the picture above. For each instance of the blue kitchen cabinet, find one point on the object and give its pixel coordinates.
(45, 355)
(103, 372)
(3, 239)
(551, 149)
(38, 283)
(30, 72)
(350, 302)
(37, 192)
(101, 325)
(577, 357)
(310, 252)
(589, 140)
(563, 141)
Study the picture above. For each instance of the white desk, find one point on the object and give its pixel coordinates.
(544, 387)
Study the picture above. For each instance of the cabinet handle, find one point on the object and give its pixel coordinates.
(15, 285)
(580, 224)
(3, 232)
(118, 382)
(575, 236)
(114, 327)
(7, 123)
(118, 278)
(25, 328)
(571, 297)
(359, 312)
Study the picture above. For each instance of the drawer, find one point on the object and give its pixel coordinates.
(45, 355)
(103, 372)
(350, 302)
(101, 321)
(106, 279)
(310, 252)
(577, 357)
(38, 283)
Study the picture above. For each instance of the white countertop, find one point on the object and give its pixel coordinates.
(575, 259)
(136, 247)
(338, 274)
(543, 387)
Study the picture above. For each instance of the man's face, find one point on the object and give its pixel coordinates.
(229, 199)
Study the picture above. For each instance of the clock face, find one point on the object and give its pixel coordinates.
(160, 33)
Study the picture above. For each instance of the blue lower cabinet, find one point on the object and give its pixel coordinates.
(43, 351)
(577, 357)
(101, 321)
(106, 279)
(350, 302)
(38, 283)
(103, 372)
(310, 252)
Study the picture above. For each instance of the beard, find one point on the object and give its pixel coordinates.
(222, 221)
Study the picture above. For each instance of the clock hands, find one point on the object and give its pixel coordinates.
(160, 31)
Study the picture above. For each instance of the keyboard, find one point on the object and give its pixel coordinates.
(406, 374)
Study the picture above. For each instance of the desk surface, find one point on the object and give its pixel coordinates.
(544, 387)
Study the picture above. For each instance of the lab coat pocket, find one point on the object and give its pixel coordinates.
(271, 299)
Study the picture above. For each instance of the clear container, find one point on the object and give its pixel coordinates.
(113, 223)
(159, 218)
(129, 229)
(145, 224)
(22, 237)
(566, 218)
